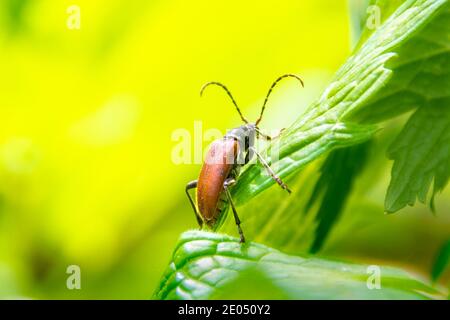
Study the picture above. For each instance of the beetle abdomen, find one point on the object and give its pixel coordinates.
(219, 162)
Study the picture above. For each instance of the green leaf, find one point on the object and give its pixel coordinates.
(442, 261)
(384, 78)
(422, 154)
(209, 265)
(333, 188)
(421, 79)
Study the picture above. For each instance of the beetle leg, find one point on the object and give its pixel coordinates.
(270, 171)
(247, 158)
(192, 185)
(226, 184)
(267, 137)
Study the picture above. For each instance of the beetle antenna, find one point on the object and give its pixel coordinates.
(270, 91)
(229, 94)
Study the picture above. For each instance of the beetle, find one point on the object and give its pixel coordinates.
(222, 165)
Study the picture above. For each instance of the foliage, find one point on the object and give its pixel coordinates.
(402, 66)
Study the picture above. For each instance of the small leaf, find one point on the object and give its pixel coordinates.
(422, 154)
(442, 261)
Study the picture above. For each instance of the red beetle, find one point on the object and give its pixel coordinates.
(222, 165)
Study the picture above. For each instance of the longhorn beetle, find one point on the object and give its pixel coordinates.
(222, 165)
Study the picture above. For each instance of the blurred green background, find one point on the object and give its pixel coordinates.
(86, 123)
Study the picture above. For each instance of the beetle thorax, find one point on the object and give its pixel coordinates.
(245, 135)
